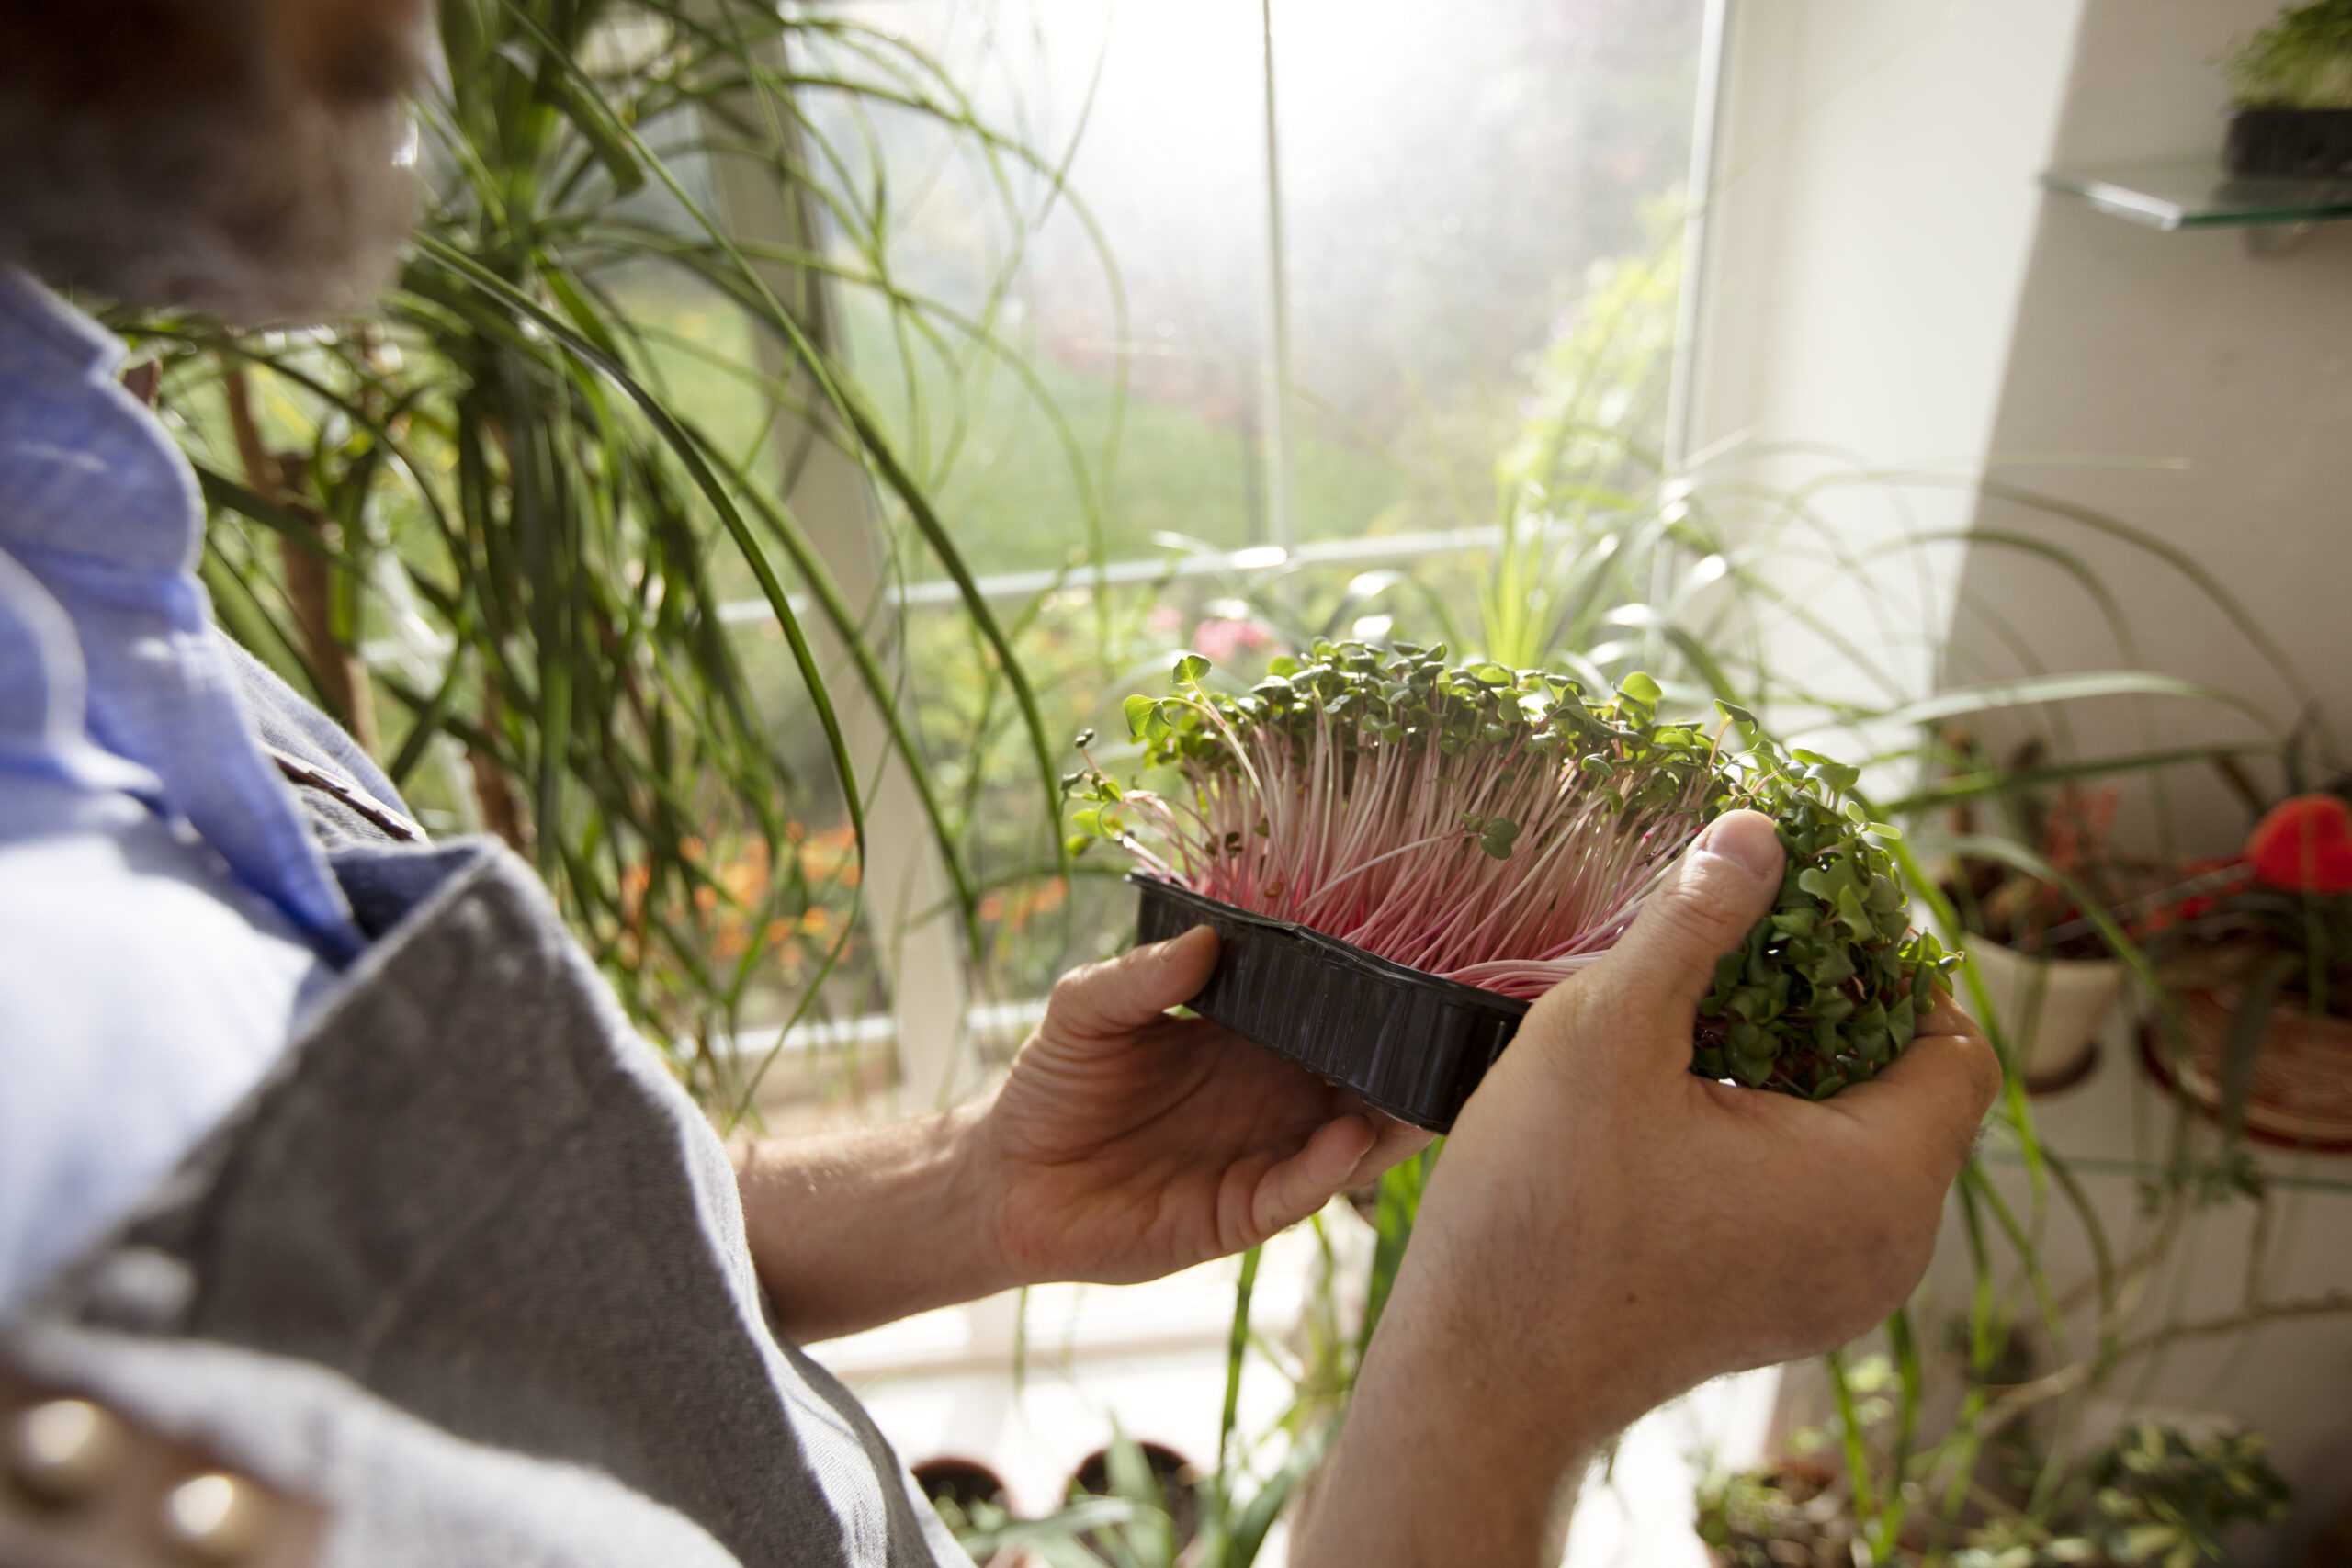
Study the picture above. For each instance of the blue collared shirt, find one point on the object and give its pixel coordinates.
(164, 915)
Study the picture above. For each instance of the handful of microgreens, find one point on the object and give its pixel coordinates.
(1501, 828)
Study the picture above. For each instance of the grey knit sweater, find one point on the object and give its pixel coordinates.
(468, 1269)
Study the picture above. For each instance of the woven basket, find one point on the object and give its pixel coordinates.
(2300, 1094)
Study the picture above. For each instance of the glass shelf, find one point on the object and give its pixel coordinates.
(2198, 193)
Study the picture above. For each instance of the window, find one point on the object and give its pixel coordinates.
(1199, 353)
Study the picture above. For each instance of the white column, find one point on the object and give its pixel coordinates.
(910, 913)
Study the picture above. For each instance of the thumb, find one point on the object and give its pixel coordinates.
(1302, 1184)
(1131, 990)
(1723, 884)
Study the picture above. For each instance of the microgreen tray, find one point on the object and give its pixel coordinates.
(2306, 143)
(1412, 1044)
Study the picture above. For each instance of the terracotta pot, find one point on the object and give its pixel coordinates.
(2049, 1010)
(2301, 1090)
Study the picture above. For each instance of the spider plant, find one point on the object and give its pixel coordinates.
(528, 484)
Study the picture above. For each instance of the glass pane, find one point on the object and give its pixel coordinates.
(1450, 176)
(1051, 225)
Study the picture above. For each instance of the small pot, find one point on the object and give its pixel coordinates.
(2301, 1093)
(2289, 141)
(2049, 1010)
(1805, 1520)
(1412, 1044)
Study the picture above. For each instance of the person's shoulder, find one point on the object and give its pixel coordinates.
(143, 992)
(291, 725)
(101, 900)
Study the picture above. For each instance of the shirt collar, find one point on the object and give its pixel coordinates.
(73, 436)
(106, 643)
(46, 331)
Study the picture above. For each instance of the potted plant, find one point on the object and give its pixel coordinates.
(2041, 957)
(1399, 854)
(2264, 974)
(2154, 1498)
(2292, 88)
(1793, 1514)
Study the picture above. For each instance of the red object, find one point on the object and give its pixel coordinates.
(2305, 843)
(2189, 906)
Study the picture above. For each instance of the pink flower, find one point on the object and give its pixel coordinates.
(1217, 640)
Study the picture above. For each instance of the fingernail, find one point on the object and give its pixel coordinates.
(1165, 951)
(1747, 839)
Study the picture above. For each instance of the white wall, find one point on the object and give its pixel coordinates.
(1874, 212)
(1874, 207)
(1885, 279)
(2231, 370)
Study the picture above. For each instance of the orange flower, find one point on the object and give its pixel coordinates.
(2305, 843)
(733, 936)
(744, 881)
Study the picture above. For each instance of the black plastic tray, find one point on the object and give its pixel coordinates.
(2289, 141)
(1411, 1044)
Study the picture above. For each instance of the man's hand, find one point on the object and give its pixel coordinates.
(1128, 1143)
(1606, 1230)
(1124, 1144)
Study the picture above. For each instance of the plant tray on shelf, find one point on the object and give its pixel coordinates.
(2311, 142)
(1412, 1044)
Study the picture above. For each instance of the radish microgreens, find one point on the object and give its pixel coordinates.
(1498, 828)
